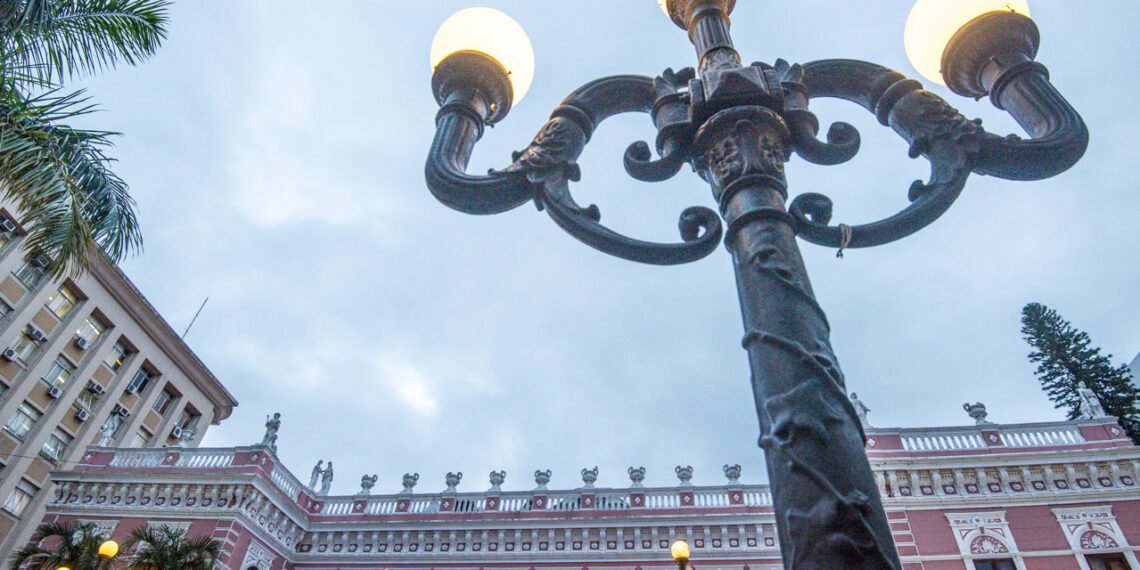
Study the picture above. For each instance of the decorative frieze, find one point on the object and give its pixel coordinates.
(904, 482)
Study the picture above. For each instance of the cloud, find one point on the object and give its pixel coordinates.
(409, 384)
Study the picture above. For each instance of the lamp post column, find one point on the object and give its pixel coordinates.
(828, 510)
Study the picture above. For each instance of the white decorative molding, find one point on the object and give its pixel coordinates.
(1093, 530)
(982, 535)
(183, 526)
(103, 528)
(257, 556)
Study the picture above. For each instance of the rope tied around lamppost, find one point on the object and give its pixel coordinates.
(845, 231)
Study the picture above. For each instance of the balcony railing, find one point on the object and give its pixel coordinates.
(251, 460)
(980, 437)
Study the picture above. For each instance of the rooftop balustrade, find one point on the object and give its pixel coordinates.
(984, 438)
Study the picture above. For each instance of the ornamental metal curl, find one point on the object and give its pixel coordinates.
(954, 146)
(542, 172)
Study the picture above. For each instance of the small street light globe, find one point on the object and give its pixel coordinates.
(492, 33)
(679, 550)
(664, 4)
(932, 23)
(110, 549)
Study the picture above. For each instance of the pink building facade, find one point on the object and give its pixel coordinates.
(1062, 495)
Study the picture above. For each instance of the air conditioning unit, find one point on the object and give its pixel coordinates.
(55, 392)
(82, 343)
(82, 415)
(9, 354)
(7, 226)
(122, 410)
(176, 433)
(40, 261)
(36, 334)
(95, 388)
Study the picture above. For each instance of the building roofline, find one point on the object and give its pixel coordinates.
(168, 340)
(993, 426)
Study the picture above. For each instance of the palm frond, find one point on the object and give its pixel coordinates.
(168, 547)
(51, 39)
(57, 544)
(61, 179)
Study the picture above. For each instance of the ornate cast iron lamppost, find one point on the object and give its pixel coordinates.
(737, 125)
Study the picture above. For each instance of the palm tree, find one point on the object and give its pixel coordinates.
(59, 177)
(166, 548)
(68, 544)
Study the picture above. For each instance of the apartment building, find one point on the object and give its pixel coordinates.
(85, 360)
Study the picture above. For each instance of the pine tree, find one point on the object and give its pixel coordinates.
(1065, 358)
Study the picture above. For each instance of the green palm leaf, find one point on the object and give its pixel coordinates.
(59, 544)
(53, 39)
(60, 178)
(168, 548)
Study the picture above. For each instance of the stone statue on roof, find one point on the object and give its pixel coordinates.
(316, 474)
(326, 479)
(861, 410)
(272, 424)
(1090, 406)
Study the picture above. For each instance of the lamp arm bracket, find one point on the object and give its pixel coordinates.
(458, 128)
(934, 129)
(1058, 134)
(549, 164)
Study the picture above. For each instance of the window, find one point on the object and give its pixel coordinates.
(56, 445)
(8, 233)
(86, 401)
(1107, 562)
(59, 373)
(117, 357)
(31, 273)
(62, 301)
(22, 421)
(162, 403)
(5, 310)
(188, 419)
(19, 499)
(1002, 564)
(91, 330)
(141, 380)
(25, 347)
(142, 438)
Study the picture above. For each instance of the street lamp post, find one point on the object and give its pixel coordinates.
(737, 125)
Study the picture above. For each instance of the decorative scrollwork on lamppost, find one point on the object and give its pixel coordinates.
(737, 125)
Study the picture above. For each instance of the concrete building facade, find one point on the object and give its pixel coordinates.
(85, 360)
(1062, 495)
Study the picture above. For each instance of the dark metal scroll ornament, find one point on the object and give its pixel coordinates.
(549, 164)
(737, 125)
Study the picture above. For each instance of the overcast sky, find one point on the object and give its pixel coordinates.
(276, 151)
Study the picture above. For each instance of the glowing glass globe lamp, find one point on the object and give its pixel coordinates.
(110, 549)
(487, 49)
(936, 29)
(680, 552)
